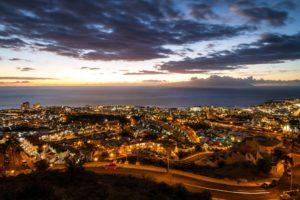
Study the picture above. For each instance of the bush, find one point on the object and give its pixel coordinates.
(206, 194)
(41, 165)
(221, 164)
(264, 165)
(74, 164)
(88, 185)
(35, 191)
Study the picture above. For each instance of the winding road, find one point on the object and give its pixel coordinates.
(220, 189)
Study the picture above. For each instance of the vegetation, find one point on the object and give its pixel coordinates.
(41, 165)
(236, 171)
(75, 164)
(87, 185)
(264, 165)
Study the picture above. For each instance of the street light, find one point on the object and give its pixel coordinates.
(111, 155)
(95, 159)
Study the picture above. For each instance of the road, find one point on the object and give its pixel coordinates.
(196, 156)
(219, 190)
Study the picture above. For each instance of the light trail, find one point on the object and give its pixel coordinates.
(227, 191)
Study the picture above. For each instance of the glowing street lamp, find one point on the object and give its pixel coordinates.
(96, 159)
(12, 172)
(111, 155)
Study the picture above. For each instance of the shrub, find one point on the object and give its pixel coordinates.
(41, 165)
(264, 165)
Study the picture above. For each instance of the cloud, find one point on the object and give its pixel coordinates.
(25, 69)
(9, 83)
(152, 72)
(270, 48)
(90, 68)
(14, 82)
(216, 81)
(210, 46)
(22, 82)
(154, 81)
(18, 59)
(203, 11)
(24, 78)
(287, 4)
(14, 59)
(260, 13)
(105, 30)
(12, 43)
(261, 82)
(145, 72)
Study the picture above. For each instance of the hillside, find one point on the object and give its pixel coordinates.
(85, 185)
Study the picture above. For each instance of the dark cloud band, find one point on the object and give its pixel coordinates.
(105, 30)
(270, 48)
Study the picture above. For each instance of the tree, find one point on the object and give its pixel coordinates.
(288, 161)
(206, 194)
(74, 164)
(40, 149)
(221, 164)
(198, 148)
(41, 165)
(279, 154)
(104, 155)
(264, 165)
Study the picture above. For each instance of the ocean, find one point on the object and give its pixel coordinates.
(12, 97)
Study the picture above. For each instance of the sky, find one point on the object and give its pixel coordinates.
(151, 42)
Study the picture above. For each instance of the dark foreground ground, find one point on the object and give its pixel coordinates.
(88, 185)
